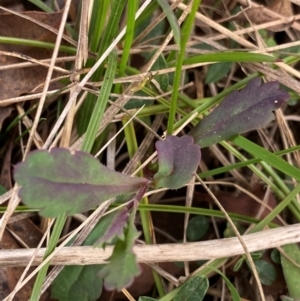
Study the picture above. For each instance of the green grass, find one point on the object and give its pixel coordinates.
(246, 154)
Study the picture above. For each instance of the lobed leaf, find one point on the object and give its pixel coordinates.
(83, 282)
(69, 279)
(117, 222)
(122, 266)
(178, 159)
(241, 111)
(58, 181)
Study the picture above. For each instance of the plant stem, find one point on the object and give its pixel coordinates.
(58, 226)
(186, 30)
(145, 215)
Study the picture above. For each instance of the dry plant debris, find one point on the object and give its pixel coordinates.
(254, 192)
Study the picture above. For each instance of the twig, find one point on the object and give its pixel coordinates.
(193, 251)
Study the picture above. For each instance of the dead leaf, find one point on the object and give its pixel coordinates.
(9, 276)
(15, 82)
(259, 15)
(18, 81)
(26, 231)
(275, 74)
(4, 113)
(283, 8)
(21, 232)
(5, 175)
(8, 2)
(242, 203)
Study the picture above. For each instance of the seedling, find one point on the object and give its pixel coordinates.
(63, 182)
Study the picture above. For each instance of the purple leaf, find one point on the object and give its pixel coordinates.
(118, 221)
(178, 159)
(240, 112)
(59, 182)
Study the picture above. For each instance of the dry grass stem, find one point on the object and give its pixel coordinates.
(192, 251)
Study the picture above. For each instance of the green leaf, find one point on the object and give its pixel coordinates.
(229, 232)
(197, 227)
(77, 283)
(257, 255)
(162, 79)
(64, 281)
(171, 18)
(238, 264)
(60, 182)
(186, 29)
(122, 266)
(115, 10)
(286, 298)
(234, 294)
(178, 159)
(275, 256)
(269, 40)
(82, 282)
(143, 22)
(144, 298)
(234, 56)
(101, 103)
(2, 190)
(216, 72)
(136, 103)
(41, 5)
(194, 289)
(240, 111)
(200, 263)
(266, 271)
(268, 157)
(290, 271)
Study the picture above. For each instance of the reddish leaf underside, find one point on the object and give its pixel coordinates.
(240, 112)
(178, 159)
(58, 181)
(118, 221)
